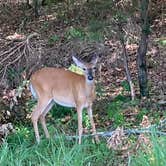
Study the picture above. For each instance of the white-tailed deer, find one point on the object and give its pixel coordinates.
(61, 86)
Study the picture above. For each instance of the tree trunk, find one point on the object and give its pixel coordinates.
(36, 8)
(142, 49)
(141, 64)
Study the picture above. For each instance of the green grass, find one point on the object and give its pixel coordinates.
(151, 156)
(20, 149)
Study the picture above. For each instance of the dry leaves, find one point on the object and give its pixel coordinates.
(118, 141)
(121, 143)
(5, 130)
(143, 139)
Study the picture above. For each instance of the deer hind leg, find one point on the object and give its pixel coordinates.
(90, 114)
(43, 120)
(41, 106)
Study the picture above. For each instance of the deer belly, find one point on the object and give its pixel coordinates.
(64, 103)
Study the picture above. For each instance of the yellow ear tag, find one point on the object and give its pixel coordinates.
(76, 69)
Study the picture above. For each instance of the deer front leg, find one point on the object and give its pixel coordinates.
(89, 109)
(80, 129)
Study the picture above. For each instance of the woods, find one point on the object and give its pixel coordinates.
(129, 111)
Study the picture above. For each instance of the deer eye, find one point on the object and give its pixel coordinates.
(84, 69)
(94, 68)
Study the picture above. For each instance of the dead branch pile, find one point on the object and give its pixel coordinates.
(19, 55)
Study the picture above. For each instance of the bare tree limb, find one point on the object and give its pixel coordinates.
(125, 59)
(110, 133)
(15, 54)
(148, 130)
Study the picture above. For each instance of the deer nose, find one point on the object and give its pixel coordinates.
(90, 78)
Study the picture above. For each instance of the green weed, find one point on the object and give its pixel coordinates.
(141, 113)
(75, 33)
(151, 156)
(53, 39)
(115, 113)
(125, 86)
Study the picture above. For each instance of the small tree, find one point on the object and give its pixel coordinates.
(36, 5)
(121, 37)
(142, 49)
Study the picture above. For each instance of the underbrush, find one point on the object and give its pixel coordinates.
(20, 148)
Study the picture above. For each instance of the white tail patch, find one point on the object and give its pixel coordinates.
(33, 91)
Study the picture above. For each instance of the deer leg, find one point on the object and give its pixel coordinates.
(80, 129)
(90, 114)
(43, 120)
(35, 117)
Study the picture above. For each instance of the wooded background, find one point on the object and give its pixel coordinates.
(127, 35)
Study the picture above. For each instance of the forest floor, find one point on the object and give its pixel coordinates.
(66, 28)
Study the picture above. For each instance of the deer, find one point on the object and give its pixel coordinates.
(51, 85)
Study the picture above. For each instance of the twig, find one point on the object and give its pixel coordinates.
(11, 53)
(5, 68)
(21, 54)
(11, 49)
(31, 36)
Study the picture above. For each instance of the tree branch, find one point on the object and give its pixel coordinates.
(15, 54)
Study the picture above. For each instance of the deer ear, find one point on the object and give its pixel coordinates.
(78, 62)
(94, 59)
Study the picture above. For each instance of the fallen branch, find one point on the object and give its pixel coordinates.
(127, 132)
(148, 130)
(21, 51)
